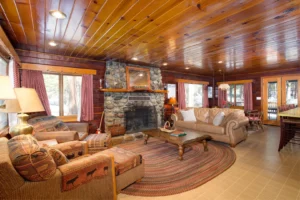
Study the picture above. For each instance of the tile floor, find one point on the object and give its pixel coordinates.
(260, 172)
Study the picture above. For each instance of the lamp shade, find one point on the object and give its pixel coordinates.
(6, 88)
(11, 106)
(29, 100)
(172, 100)
(224, 86)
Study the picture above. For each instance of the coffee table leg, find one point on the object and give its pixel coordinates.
(181, 149)
(146, 139)
(205, 145)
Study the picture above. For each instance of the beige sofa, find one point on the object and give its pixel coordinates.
(232, 130)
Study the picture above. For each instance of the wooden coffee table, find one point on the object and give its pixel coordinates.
(182, 141)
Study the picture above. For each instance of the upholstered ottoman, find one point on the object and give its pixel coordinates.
(98, 142)
(129, 166)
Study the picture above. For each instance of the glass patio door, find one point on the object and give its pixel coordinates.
(290, 90)
(271, 100)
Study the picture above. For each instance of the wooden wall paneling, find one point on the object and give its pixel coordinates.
(7, 46)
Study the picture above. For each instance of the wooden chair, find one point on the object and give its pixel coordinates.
(255, 119)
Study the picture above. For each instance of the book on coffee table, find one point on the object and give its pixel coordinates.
(178, 133)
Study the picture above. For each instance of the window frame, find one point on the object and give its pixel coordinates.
(202, 85)
(4, 129)
(61, 96)
(234, 95)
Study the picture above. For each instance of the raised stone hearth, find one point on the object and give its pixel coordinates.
(116, 104)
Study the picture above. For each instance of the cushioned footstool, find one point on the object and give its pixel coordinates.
(129, 166)
(98, 142)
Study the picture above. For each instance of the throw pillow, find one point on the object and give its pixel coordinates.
(31, 161)
(218, 119)
(204, 117)
(58, 157)
(188, 115)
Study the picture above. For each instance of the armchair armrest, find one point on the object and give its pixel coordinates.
(76, 148)
(237, 123)
(60, 136)
(99, 166)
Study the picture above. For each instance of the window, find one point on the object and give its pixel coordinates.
(3, 72)
(235, 95)
(193, 95)
(64, 94)
(171, 90)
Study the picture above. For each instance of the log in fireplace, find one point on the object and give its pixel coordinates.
(139, 118)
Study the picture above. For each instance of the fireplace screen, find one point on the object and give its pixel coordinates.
(140, 118)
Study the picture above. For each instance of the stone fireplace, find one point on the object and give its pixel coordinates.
(136, 111)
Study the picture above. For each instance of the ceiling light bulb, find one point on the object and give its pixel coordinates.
(187, 68)
(52, 43)
(58, 14)
(165, 64)
(220, 62)
(134, 58)
(141, 74)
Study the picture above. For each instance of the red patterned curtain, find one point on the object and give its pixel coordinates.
(205, 97)
(181, 95)
(248, 101)
(35, 79)
(222, 97)
(87, 102)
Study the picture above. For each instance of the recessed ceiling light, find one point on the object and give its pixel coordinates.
(52, 43)
(134, 58)
(141, 74)
(187, 68)
(57, 14)
(165, 64)
(220, 61)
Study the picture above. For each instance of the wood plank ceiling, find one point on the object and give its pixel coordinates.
(245, 35)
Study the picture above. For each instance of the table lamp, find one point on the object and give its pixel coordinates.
(172, 101)
(27, 101)
(6, 88)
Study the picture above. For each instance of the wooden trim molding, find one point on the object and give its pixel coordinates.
(192, 81)
(57, 69)
(4, 41)
(236, 82)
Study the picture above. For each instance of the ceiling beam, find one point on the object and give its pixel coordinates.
(4, 41)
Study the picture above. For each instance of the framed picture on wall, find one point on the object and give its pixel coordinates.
(210, 91)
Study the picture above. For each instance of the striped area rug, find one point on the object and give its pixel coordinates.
(166, 175)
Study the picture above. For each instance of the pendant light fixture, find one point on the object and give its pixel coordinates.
(223, 86)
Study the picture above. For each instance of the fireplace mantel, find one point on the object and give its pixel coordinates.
(126, 90)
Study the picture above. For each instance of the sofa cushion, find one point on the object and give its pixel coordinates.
(210, 128)
(218, 119)
(32, 162)
(188, 115)
(47, 124)
(184, 124)
(124, 159)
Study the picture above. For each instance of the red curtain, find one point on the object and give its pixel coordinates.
(35, 79)
(181, 96)
(205, 96)
(87, 102)
(248, 101)
(222, 97)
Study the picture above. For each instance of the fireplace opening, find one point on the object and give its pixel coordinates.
(140, 118)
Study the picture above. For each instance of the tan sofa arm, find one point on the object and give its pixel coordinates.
(174, 117)
(79, 127)
(60, 136)
(236, 130)
(235, 124)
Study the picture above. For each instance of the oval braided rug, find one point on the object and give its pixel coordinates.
(166, 175)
